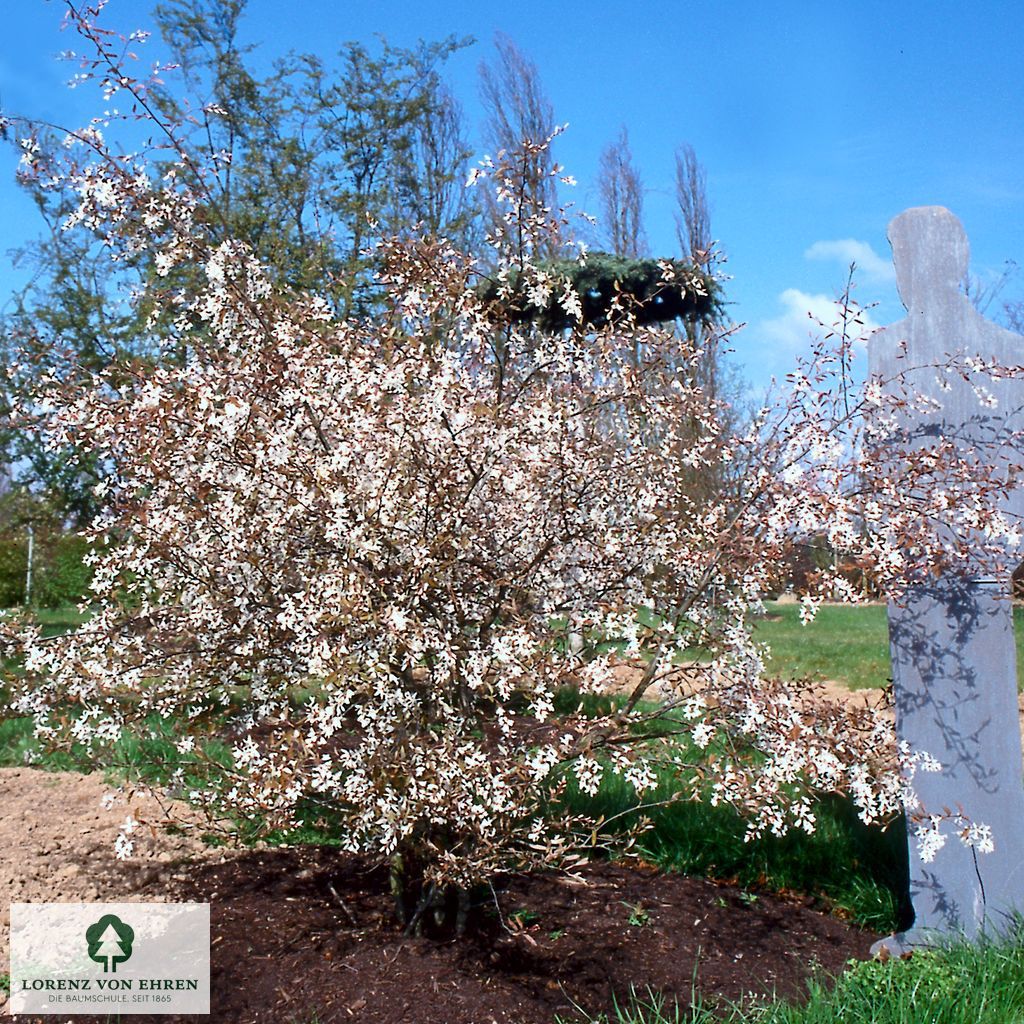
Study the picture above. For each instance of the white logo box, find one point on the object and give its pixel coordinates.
(110, 958)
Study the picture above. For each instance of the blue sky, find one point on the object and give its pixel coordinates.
(817, 121)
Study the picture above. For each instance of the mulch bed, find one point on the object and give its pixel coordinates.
(305, 935)
(285, 948)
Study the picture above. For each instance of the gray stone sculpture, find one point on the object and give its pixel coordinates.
(951, 638)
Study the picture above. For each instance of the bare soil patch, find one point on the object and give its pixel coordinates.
(306, 934)
(57, 845)
(305, 931)
(57, 842)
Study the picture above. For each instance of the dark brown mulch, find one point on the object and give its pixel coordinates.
(305, 936)
(304, 933)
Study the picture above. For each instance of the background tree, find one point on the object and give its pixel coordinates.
(705, 330)
(429, 173)
(316, 161)
(693, 215)
(1013, 312)
(983, 294)
(72, 318)
(621, 194)
(519, 122)
(312, 163)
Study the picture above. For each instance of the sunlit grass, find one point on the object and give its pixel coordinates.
(849, 644)
(962, 984)
(845, 643)
(54, 621)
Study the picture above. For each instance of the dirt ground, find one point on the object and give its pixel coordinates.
(304, 934)
(57, 844)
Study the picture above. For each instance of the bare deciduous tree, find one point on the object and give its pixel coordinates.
(693, 229)
(430, 171)
(520, 119)
(1013, 315)
(704, 331)
(693, 218)
(621, 192)
(984, 291)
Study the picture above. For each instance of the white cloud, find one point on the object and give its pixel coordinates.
(777, 342)
(801, 319)
(850, 250)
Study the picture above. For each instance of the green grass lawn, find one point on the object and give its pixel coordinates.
(847, 643)
(981, 984)
(53, 620)
(60, 620)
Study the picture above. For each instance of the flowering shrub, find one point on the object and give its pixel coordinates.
(368, 552)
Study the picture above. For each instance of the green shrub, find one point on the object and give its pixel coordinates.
(60, 577)
(13, 563)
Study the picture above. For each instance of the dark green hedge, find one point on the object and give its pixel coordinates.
(600, 278)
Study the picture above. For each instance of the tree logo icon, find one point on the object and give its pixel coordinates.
(110, 942)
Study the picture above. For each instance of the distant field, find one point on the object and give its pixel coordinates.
(849, 644)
